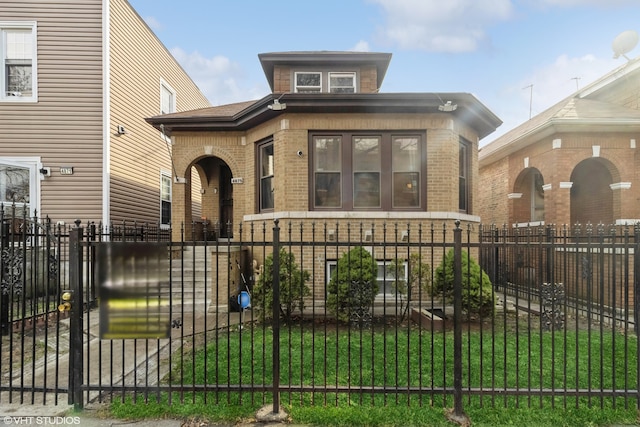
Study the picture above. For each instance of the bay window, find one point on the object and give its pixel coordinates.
(368, 171)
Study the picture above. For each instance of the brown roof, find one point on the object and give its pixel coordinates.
(576, 113)
(244, 115)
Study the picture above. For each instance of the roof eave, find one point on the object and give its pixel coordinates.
(487, 156)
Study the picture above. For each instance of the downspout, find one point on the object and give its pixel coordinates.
(106, 113)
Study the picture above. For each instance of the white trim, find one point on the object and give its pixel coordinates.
(514, 195)
(627, 221)
(295, 82)
(566, 184)
(34, 164)
(547, 187)
(362, 215)
(165, 174)
(528, 224)
(632, 143)
(557, 143)
(24, 25)
(106, 119)
(620, 186)
(343, 73)
(595, 151)
(526, 162)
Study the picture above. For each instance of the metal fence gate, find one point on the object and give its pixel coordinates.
(267, 318)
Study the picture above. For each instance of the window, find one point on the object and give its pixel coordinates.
(19, 184)
(167, 99)
(266, 168)
(342, 82)
(165, 199)
(18, 55)
(368, 171)
(463, 176)
(308, 82)
(385, 277)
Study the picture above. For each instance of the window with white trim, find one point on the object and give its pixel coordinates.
(385, 277)
(19, 66)
(167, 98)
(165, 199)
(342, 82)
(308, 82)
(266, 171)
(20, 184)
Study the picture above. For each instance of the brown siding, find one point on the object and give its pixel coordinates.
(64, 126)
(138, 64)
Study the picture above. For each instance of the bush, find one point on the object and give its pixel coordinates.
(477, 291)
(293, 287)
(353, 286)
(406, 284)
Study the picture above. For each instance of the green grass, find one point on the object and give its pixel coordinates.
(408, 358)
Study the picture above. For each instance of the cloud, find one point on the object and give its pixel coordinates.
(573, 3)
(552, 83)
(219, 78)
(441, 26)
(361, 46)
(153, 23)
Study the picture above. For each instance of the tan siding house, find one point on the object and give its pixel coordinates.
(79, 77)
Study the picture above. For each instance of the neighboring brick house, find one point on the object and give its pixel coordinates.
(327, 144)
(77, 80)
(575, 163)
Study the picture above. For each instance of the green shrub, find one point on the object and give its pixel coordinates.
(353, 286)
(477, 291)
(293, 287)
(407, 283)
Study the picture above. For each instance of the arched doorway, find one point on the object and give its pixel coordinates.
(591, 194)
(211, 201)
(530, 206)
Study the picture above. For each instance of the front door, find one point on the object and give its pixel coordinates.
(226, 202)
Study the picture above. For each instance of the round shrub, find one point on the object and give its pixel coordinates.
(293, 287)
(477, 291)
(353, 286)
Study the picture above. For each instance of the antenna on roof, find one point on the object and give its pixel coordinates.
(624, 43)
(530, 87)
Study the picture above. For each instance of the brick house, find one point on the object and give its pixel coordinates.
(77, 79)
(575, 163)
(327, 146)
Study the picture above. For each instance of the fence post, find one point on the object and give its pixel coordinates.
(76, 362)
(276, 317)
(4, 292)
(458, 411)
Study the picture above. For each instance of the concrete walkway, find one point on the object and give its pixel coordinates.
(130, 364)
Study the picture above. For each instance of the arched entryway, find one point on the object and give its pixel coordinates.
(592, 200)
(211, 202)
(529, 206)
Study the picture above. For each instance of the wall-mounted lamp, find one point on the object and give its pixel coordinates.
(45, 171)
(368, 236)
(277, 106)
(331, 235)
(404, 237)
(121, 130)
(447, 107)
(299, 153)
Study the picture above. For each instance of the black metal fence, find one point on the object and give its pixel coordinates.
(333, 313)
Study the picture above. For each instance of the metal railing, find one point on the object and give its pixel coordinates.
(298, 313)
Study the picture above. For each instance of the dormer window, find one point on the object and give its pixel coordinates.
(342, 82)
(308, 82)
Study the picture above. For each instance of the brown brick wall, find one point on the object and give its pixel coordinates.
(558, 166)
